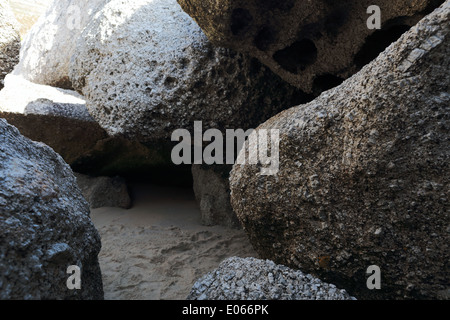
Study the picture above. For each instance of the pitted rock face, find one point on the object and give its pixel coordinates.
(255, 279)
(44, 224)
(313, 45)
(49, 45)
(363, 175)
(9, 41)
(146, 69)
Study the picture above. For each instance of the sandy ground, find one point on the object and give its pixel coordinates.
(158, 249)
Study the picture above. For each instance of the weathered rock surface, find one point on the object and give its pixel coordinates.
(104, 191)
(45, 225)
(9, 41)
(313, 45)
(59, 118)
(49, 45)
(147, 69)
(254, 279)
(212, 191)
(364, 176)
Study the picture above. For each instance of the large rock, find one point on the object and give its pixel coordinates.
(313, 45)
(104, 191)
(212, 192)
(45, 225)
(363, 175)
(59, 118)
(9, 41)
(49, 45)
(22, 96)
(254, 279)
(147, 69)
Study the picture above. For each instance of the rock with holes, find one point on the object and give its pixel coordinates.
(212, 191)
(363, 175)
(255, 279)
(313, 45)
(45, 225)
(9, 41)
(49, 45)
(147, 69)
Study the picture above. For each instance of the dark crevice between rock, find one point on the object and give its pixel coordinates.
(377, 42)
(297, 56)
(325, 82)
(63, 83)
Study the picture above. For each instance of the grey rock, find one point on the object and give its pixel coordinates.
(45, 225)
(49, 45)
(313, 45)
(59, 118)
(9, 41)
(47, 107)
(363, 177)
(146, 69)
(104, 191)
(262, 280)
(212, 191)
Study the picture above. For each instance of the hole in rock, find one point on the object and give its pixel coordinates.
(377, 42)
(264, 38)
(240, 20)
(297, 57)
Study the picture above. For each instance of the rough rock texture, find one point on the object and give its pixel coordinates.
(254, 279)
(49, 45)
(45, 225)
(147, 69)
(313, 45)
(104, 191)
(71, 131)
(364, 176)
(212, 191)
(9, 41)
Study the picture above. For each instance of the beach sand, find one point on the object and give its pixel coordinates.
(158, 249)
